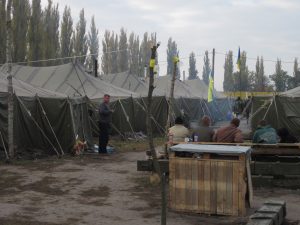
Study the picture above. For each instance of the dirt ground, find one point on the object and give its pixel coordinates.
(101, 190)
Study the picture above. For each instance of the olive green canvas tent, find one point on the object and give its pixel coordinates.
(281, 111)
(44, 121)
(69, 79)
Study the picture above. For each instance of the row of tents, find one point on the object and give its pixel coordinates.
(52, 105)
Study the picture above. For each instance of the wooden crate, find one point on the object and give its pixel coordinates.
(209, 185)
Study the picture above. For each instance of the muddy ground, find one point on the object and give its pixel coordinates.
(102, 190)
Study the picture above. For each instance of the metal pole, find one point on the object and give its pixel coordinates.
(213, 65)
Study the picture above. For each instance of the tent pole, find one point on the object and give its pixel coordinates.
(9, 78)
(35, 122)
(44, 112)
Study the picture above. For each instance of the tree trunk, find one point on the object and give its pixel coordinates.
(9, 78)
(171, 98)
(149, 105)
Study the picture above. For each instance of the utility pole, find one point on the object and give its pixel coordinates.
(213, 65)
(10, 84)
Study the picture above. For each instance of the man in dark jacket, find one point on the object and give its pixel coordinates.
(105, 114)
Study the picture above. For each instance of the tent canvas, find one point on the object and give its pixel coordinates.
(43, 119)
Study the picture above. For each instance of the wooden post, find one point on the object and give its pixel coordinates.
(171, 98)
(149, 105)
(150, 136)
(9, 78)
(163, 199)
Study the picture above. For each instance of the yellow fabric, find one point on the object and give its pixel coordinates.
(210, 90)
(175, 59)
(152, 63)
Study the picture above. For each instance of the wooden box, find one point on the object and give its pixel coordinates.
(208, 182)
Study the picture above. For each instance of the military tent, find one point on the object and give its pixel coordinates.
(45, 121)
(69, 79)
(282, 110)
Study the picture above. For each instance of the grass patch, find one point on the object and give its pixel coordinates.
(135, 146)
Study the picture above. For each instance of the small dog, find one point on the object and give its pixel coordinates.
(79, 147)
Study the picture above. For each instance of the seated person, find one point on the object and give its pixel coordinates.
(230, 133)
(264, 134)
(178, 132)
(285, 136)
(204, 133)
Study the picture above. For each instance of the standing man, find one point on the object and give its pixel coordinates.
(105, 114)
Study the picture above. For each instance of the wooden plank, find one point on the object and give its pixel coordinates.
(261, 222)
(147, 165)
(181, 184)
(195, 185)
(249, 183)
(235, 188)
(188, 183)
(172, 183)
(176, 182)
(250, 144)
(207, 186)
(275, 151)
(275, 168)
(206, 156)
(201, 185)
(221, 187)
(213, 187)
(242, 189)
(229, 189)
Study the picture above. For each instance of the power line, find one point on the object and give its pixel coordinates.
(68, 57)
(163, 62)
(252, 58)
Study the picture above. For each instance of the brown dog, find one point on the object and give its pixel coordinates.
(79, 147)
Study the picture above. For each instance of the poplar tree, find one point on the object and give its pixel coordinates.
(66, 31)
(35, 33)
(122, 58)
(105, 56)
(93, 42)
(50, 33)
(172, 52)
(241, 78)
(280, 77)
(296, 74)
(2, 31)
(20, 20)
(145, 55)
(206, 68)
(80, 39)
(134, 51)
(228, 83)
(192, 67)
(114, 43)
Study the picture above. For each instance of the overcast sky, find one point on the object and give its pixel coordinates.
(268, 28)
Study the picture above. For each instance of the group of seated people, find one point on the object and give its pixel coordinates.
(264, 133)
